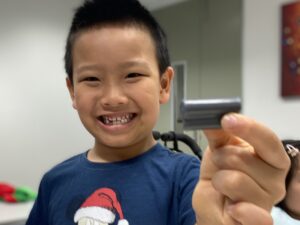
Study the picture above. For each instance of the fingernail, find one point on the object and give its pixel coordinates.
(229, 120)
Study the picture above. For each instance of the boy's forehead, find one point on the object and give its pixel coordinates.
(111, 33)
(109, 30)
(116, 26)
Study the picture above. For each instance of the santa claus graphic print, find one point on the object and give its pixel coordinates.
(100, 208)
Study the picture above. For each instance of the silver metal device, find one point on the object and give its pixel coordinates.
(206, 113)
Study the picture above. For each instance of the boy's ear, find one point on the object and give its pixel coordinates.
(165, 85)
(71, 92)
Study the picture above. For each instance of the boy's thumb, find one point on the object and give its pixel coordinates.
(216, 137)
(220, 137)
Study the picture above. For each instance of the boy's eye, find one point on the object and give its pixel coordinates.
(90, 79)
(134, 75)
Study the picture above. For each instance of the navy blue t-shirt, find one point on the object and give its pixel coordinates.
(153, 188)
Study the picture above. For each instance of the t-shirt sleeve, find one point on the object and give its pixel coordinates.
(189, 176)
(38, 214)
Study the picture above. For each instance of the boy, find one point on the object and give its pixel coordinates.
(118, 75)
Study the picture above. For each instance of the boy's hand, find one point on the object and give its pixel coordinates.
(242, 174)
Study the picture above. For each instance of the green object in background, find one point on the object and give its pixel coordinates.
(24, 194)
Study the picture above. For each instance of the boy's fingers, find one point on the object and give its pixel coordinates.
(247, 214)
(216, 137)
(208, 204)
(238, 186)
(265, 143)
(246, 161)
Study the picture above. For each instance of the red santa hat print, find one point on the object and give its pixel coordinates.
(101, 207)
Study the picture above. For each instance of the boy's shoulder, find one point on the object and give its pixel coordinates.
(179, 161)
(70, 162)
(65, 168)
(176, 155)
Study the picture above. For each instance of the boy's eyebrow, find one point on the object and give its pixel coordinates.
(135, 62)
(86, 67)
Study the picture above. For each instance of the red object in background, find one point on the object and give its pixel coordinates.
(6, 192)
(6, 189)
(290, 50)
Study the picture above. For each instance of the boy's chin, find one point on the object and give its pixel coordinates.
(125, 144)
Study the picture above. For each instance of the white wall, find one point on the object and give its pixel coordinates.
(38, 127)
(261, 69)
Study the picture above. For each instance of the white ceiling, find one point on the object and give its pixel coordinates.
(156, 4)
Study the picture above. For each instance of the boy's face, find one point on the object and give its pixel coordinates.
(117, 89)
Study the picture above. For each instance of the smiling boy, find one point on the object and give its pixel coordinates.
(118, 75)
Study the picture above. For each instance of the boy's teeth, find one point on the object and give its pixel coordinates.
(117, 120)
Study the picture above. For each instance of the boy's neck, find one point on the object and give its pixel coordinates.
(106, 154)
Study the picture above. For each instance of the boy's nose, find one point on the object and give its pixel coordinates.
(113, 96)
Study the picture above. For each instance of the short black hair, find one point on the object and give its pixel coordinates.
(96, 13)
(292, 170)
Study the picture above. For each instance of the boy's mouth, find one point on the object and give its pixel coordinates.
(116, 120)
